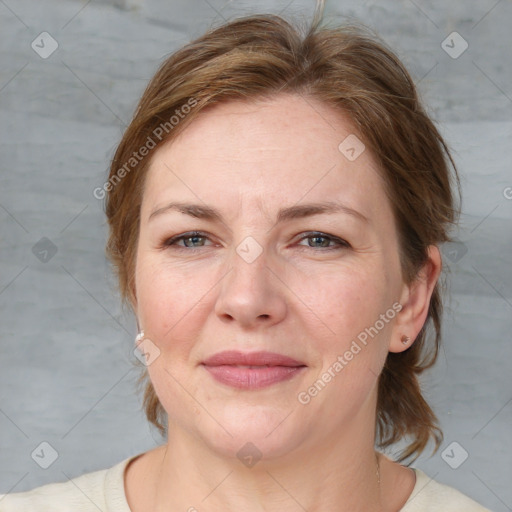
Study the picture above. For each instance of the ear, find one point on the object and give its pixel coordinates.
(415, 301)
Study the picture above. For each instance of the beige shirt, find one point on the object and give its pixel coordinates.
(104, 490)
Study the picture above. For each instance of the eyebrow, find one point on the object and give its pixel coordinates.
(285, 214)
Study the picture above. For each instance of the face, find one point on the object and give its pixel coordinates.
(267, 273)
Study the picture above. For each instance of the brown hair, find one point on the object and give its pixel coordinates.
(352, 70)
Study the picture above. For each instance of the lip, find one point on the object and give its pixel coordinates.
(267, 368)
(235, 357)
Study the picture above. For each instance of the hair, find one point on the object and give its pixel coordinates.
(350, 69)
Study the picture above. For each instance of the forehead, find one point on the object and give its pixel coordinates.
(273, 150)
(256, 128)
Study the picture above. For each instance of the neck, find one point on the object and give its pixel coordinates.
(343, 475)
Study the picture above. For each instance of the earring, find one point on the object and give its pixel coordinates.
(405, 339)
(139, 337)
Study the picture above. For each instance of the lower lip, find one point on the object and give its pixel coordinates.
(252, 378)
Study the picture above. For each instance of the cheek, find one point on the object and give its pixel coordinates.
(333, 303)
(169, 302)
(346, 301)
(169, 309)
(353, 350)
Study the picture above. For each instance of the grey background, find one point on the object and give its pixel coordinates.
(66, 367)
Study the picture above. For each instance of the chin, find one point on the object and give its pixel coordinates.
(257, 431)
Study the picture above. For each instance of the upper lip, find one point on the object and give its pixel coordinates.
(234, 357)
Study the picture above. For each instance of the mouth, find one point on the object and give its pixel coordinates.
(252, 370)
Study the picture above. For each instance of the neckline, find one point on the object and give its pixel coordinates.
(116, 497)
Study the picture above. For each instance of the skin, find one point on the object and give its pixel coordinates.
(298, 298)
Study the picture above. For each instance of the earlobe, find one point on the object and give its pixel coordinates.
(416, 303)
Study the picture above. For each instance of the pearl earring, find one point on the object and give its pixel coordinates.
(139, 337)
(405, 339)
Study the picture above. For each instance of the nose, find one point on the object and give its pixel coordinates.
(251, 294)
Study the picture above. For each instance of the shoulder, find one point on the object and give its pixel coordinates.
(429, 496)
(99, 490)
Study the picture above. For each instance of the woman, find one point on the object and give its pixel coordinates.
(275, 210)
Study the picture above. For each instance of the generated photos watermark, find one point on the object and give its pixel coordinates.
(304, 397)
(152, 140)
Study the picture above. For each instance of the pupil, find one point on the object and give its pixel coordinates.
(316, 238)
(194, 238)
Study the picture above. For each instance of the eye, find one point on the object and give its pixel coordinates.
(323, 240)
(189, 240)
(194, 240)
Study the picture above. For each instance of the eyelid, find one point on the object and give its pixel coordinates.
(172, 242)
(340, 241)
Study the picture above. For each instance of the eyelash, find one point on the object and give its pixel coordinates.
(171, 242)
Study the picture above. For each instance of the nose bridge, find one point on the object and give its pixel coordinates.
(249, 266)
(249, 291)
